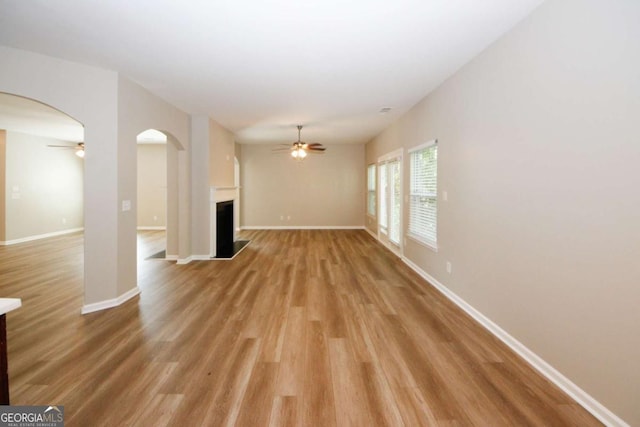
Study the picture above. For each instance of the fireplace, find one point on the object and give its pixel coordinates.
(223, 243)
(224, 229)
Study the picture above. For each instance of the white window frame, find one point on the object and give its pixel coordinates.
(417, 237)
(372, 188)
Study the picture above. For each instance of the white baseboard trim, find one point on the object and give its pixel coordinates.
(110, 303)
(41, 236)
(302, 227)
(182, 261)
(171, 257)
(187, 260)
(145, 228)
(582, 397)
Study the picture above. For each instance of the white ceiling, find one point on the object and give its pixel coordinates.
(259, 67)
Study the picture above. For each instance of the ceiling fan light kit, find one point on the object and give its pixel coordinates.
(298, 153)
(300, 149)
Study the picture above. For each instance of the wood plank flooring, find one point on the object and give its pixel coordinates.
(302, 328)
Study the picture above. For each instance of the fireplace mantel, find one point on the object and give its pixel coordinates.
(222, 194)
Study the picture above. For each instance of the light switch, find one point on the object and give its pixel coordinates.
(126, 205)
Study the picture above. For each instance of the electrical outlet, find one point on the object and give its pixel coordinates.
(155, 217)
(126, 205)
(64, 220)
(445, 196)
(448, 267)
(281, 217)
(288, 217)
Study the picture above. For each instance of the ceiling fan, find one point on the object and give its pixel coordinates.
(299, 149)
(79, 147)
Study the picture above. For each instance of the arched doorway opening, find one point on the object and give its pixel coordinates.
(42, 195)
(151, 194)
(157, 206)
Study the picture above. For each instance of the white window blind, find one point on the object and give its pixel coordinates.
(423, 191)
(371, 190)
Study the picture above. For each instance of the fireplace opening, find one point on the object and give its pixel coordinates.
(226, 247)
(224, 229)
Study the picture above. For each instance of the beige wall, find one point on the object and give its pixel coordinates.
(152, 185)
(201, 165)
(212, 162)
(539, 154)
(139, 110)
(43, 187)
(221, 152)
(322, 190)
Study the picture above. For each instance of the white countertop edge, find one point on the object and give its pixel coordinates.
(9, 304)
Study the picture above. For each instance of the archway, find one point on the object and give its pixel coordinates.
(152, 194)
(41, 177)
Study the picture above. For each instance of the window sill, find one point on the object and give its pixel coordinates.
(423, 242)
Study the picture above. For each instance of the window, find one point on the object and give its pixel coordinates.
(371, 190)
(423, 191)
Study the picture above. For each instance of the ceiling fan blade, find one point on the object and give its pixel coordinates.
(62, 146)
(316, 148)
(314, 144)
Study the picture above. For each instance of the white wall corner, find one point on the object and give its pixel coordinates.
(598, 410)
(103, 305)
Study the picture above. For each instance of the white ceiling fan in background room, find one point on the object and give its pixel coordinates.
(299, 149)
(79, 147)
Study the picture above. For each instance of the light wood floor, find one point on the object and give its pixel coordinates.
(312, 328)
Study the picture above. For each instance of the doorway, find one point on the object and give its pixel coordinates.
(390, 201)
(151, 209)
(42, 189)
